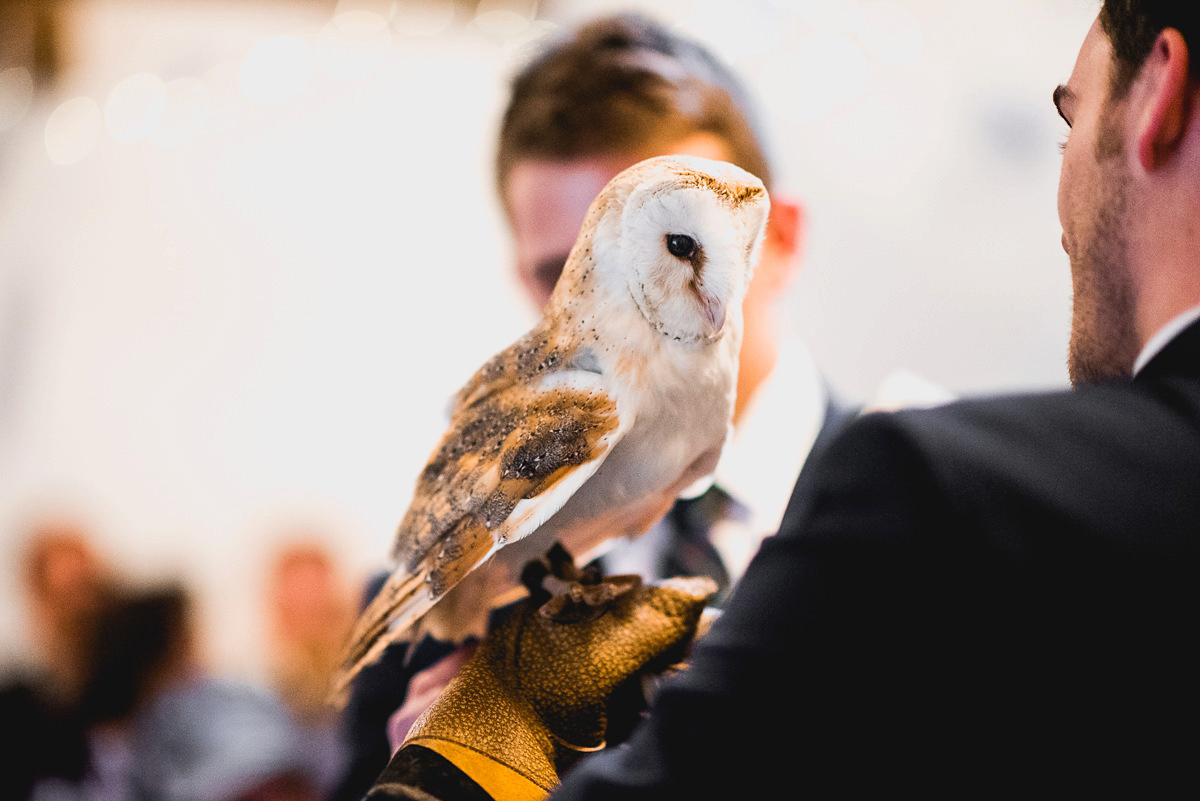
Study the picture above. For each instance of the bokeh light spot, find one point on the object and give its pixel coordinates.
(73, 129)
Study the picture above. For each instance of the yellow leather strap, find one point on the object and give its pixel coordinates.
(498, 780)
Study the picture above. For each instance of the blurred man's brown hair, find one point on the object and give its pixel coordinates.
(626, 84)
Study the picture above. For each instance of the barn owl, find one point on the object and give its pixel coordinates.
(594, 422)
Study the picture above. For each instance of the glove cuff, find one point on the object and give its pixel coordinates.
(478, 714)
(496, 778)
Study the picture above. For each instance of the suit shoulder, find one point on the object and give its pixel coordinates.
(1045, 424)
(1089, 459)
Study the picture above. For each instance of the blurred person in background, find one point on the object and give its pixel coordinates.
(160, 726)
(310, 610)
(604, 96)
(67, 585)
(609, 94)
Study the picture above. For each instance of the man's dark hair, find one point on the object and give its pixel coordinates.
(1133, 25)
(624, 84)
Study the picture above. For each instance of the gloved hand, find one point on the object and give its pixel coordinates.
(532, 698)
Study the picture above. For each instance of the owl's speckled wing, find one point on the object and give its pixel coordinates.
(527, 431)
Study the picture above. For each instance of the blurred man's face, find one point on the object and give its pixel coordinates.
(547, 201)
(1093, 209)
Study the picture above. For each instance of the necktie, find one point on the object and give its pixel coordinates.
(692, 552)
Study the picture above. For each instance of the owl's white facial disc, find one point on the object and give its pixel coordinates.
(689, 253)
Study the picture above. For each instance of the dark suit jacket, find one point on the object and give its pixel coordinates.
(993, 598)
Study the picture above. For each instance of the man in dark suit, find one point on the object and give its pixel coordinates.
(997, 596)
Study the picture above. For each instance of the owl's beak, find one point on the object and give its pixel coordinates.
(714, 310)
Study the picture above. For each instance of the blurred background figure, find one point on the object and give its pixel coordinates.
(596, 100)
(67, 586)
(67, 583)
(310, 609)
(117, 702)
(159, 725)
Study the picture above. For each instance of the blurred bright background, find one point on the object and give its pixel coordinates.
(248, 250)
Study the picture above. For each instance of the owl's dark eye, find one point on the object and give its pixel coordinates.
(681, 245)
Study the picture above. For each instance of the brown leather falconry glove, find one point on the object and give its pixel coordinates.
(533, 697)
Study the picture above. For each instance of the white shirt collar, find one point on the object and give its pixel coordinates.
(1164, 335)
(760, 464)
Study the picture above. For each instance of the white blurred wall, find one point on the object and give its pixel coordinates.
(247, 310)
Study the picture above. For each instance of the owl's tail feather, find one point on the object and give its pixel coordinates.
(373, 632)
(397, 612)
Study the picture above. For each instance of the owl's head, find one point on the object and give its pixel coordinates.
(679, 236)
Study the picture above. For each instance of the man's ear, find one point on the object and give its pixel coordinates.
(1168, 99)
(783, 241)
